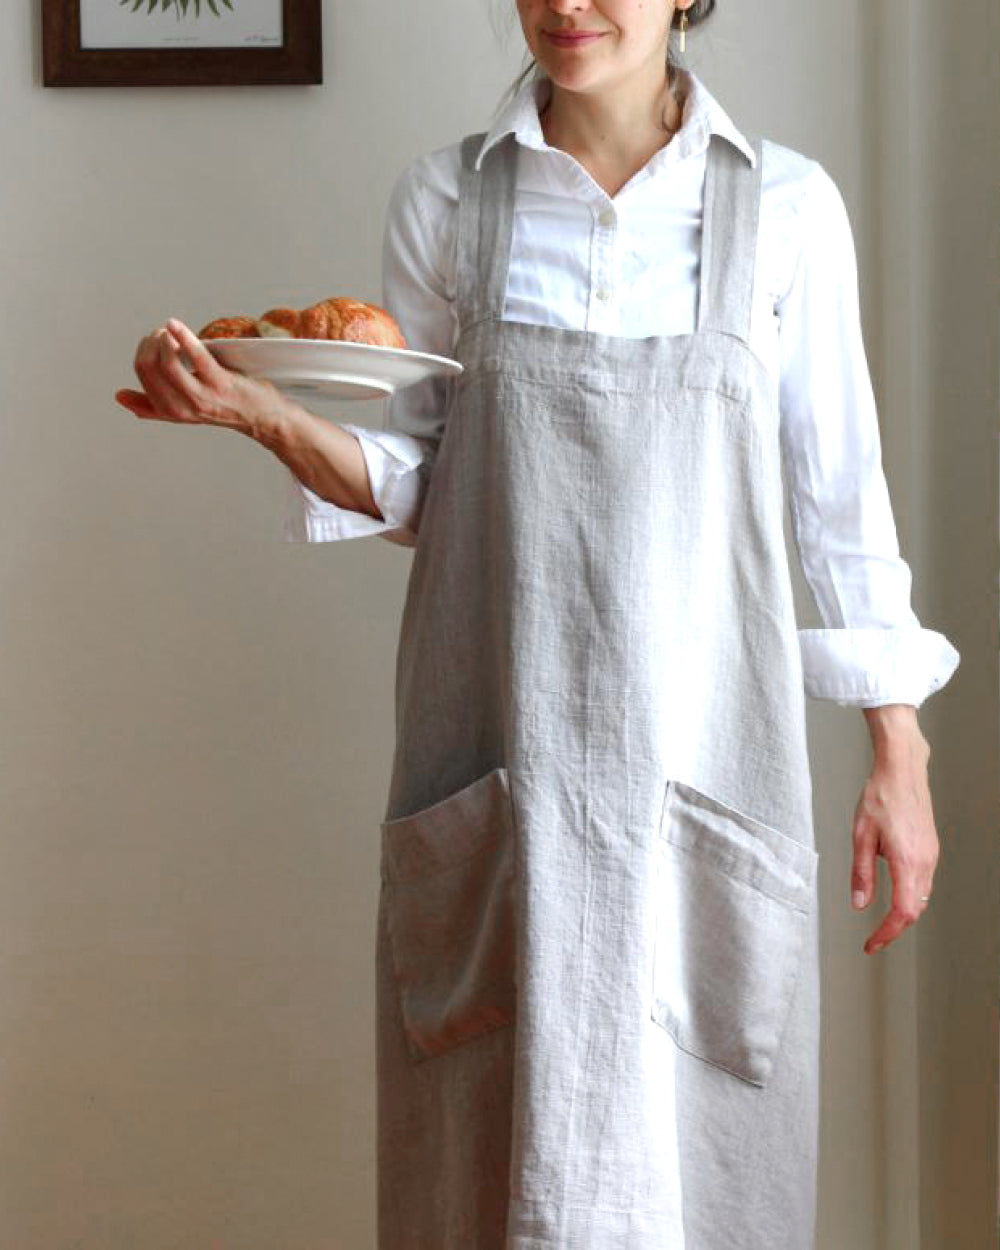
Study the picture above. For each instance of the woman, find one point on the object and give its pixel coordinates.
(598, 984)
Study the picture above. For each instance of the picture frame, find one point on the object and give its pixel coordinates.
(175, 43)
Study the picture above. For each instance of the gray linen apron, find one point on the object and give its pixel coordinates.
(597, 958)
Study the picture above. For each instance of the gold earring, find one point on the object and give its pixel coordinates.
(684, 26)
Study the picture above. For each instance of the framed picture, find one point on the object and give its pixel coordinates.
(172, 43)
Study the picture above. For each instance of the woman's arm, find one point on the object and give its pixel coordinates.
(418, 291)
(394, 465)
(872, 651)
(322, 456)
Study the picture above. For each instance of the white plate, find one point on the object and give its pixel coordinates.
(329, 367)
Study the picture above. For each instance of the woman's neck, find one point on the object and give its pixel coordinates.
(615, 128)
(614, 134)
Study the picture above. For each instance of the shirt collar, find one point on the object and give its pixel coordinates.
(701, 117)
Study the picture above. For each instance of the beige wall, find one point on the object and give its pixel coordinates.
(197, 722)
(939, 86)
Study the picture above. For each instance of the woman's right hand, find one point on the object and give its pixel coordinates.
(322, 456)
(207, 393)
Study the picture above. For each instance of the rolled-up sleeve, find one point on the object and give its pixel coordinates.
(872, 649)
(394, 463)
(399, 457)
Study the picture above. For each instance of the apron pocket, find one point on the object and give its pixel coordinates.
(732, 903)
(448, 873)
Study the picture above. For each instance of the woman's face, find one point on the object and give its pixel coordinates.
(630, 34)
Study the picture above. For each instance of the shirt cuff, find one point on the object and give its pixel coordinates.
(864, 667)
(392, 461)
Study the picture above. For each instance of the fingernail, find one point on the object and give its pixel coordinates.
(877, 947)
(858, 898)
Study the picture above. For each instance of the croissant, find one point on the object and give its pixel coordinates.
(349, 320)
(231, 328)
(340, 317)
(279, 323)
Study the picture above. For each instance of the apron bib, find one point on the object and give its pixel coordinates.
(597, 957)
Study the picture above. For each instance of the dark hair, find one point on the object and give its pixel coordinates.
(697, 13)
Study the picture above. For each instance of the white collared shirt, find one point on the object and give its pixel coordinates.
(629, 266)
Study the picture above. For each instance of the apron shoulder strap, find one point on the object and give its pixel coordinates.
(729, 237)
(485, 224)
(471, 146)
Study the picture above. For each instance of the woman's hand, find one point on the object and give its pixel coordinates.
(207, 393)
(319, 453)
(894, 818)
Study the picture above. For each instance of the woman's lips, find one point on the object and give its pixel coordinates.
(572, 41)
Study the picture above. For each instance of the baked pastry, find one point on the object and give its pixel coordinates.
(279, 323)
(230, 328)
(342, 318)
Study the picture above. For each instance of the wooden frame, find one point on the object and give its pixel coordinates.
(67, 64)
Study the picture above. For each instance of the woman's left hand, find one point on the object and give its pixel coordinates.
(895, 818)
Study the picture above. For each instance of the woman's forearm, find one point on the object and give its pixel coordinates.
(321, 455)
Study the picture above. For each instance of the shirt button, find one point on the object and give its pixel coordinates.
(603, 293)
(606, 219)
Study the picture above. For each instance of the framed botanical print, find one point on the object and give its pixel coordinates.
(157, 43)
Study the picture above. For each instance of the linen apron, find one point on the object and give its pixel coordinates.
(597, 957)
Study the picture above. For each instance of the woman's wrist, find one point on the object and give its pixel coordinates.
(894, 729)
(275, 421)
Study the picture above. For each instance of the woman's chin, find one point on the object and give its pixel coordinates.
(570, 77)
